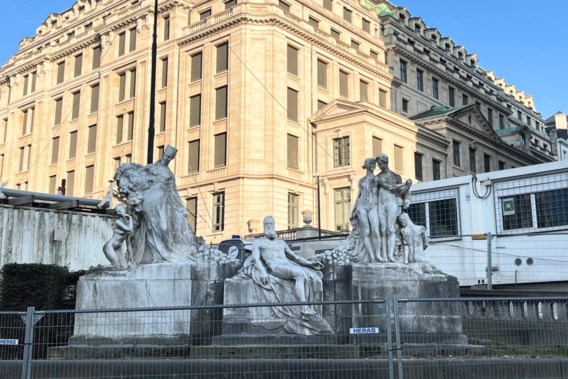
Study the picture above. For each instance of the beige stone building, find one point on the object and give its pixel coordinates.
(273, 105)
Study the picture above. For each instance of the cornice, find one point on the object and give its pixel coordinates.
(207, 31)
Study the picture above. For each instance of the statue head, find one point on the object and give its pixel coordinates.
(370, 164)
(269, 228)
(120, 209)
(169, 153)
(382, 161)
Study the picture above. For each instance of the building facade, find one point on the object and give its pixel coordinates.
(273, 105)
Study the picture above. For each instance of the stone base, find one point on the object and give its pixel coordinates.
(420, 322)
(149, 286)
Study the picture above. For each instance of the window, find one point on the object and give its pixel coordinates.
(465, 99)
(26, 84)
(219, 211)
(472, 161)
(418, 166)
(222, 57)
(1, 165)
(347, 14)
(440, 217)
(436, 169)
(486, 163)
(130, 129)
(4, 130)
(60, 72)
(343, 84)
(70, 190)
(284, 5)
(119, 128)
(420, 80)
(403, 76)
(456, 153)
(54, 149)
(162, 123)
(383, 98)
(551, 208)
(435, 88)
(160, 151)
(292, 60)
(121, 43)
(193, 161)
(405, 105)
(313, 22)
(52, 184)
(321, 104)
(89, 178)
(117, 163)
(76, 105)
(501, 165)
(220, 150)
(342, 208)
(516, 211)
(293, 210)
(398, 160)
(166, 30)
(164, 81)
(34, 81)
(204, 14)
(374, 55)
(28, 121)
(501, 121)
(335, 34)
(127, 78)
(22, 153)
(327, 4)
(132, 40)
(230, 4)
(490, 116)
(366, 24)
(363, 90)
(220, 103)
(322, 74)
(341, 152)
(94, 98)
(195, 110)
(292, 152)
(191, 206)
(452, 96)
(96, 57)
(92, 139)
(72, 144)
(78, 65)
(196, 67)
(377, 146)
(58, 111)
(354, 44)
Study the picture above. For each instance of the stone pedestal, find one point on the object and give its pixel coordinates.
(152, 286)
(425, 322)
(149, 286)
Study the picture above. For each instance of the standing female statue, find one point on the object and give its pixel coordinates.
(366, 212)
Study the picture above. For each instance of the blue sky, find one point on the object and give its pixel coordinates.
(523, 41)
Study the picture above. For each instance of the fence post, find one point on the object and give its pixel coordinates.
(397, 335)
(489, 268)
(389, 339)
(30, 319)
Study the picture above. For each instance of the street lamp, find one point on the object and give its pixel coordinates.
(151, 129)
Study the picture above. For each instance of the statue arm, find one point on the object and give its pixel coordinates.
(257, 259)
(301, 260)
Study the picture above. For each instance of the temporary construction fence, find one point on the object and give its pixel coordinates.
(501, 338)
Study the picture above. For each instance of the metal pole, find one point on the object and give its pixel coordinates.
(489, 263)
(151, 129)
(28, 343)
(397, 336)
(319, 207)
(389, 340)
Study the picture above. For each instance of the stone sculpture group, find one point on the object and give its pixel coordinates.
(155, 230)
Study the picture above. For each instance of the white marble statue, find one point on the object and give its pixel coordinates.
(390, 188)
(162, 232)
(122, 231)
(365, 215)
(416, 241)
(284, 277)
